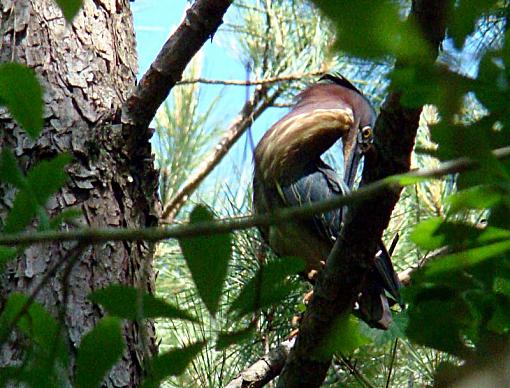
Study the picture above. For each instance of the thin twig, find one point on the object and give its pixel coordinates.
(393, 355)
(96, 235)
(357, 374)
(265, 81)
(72, 258)
(252, 109)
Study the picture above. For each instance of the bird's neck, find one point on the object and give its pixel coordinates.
(298, 138)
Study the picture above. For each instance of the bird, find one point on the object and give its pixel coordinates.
(289, 171)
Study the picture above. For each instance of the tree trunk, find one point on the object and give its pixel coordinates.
(87, 70)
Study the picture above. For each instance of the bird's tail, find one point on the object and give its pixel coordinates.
(387, 274)
(373, 303)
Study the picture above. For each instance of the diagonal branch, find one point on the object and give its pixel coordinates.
(200, 23)
(251, 110)
(265, 368)
(340, 282)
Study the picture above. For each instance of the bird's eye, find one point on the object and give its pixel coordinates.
(366, 132)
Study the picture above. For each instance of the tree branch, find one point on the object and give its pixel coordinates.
(340, 282)
(265, 368)
(200, 23)
(270, 365)
(390, 184)
(266, 81)
(251, 110)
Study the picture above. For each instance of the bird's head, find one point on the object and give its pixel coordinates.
(363, 111)
(332, 108)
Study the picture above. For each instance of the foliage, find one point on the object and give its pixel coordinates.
(235, 300)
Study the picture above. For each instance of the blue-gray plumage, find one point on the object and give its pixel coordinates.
(289, 171)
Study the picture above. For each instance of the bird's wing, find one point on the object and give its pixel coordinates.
(317, 182)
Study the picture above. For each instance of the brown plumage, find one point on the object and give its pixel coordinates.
(289, 171)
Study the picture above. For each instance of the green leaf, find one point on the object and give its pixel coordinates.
(172, 363)
(465, 259)
(47, 177)
(9, 170)
(6, 254)
(21, 93)
(64, 216)
(99, 350)
(500, 320)
(396, 330)
(464, 18)
(492, 86)
(225, 339)
(439, 323)
(37, 324)
(43, 180)
(207, 258)
(69, 8)
(269, 286)
(502, 286)
(419, 83)
(405, 179)
(22, 212)
(435, 233)
(345, 337)
(477, 197)
(385, 34)
(121, 301)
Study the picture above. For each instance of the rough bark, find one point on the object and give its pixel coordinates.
(87, 70)
(339, 283)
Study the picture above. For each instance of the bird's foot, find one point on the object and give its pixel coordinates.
(307, 298)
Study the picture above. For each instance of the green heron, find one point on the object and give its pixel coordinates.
(289, 171)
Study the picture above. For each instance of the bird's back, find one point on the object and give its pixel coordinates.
(310, 239)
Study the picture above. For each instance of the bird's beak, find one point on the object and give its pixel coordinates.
(352, 166)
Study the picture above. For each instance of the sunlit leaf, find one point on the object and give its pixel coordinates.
(99, 350)
(477, 197)
(386, 33)
(467, 258)
(207, 258)
(121, 301)
(172, 363)
(435, 233)
(21, 93)
(345, 337)
(405, 179)
(269, 286)
(225, 339)
(502, 286)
